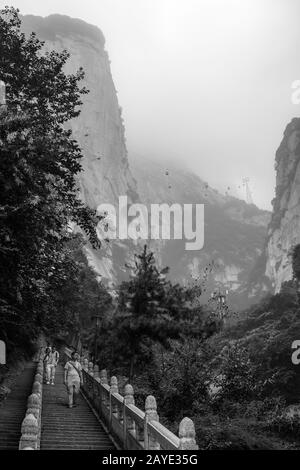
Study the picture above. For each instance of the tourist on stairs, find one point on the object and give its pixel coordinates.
(48, 350)
(73, 378)
(52, 363)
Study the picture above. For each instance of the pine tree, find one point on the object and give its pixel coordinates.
(150, 310)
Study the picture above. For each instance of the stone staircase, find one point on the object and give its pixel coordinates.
(13, 409)
(47, 423)
(69, 429)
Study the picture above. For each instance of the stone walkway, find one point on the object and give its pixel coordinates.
(69, 429)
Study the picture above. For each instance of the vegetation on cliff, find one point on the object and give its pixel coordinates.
(235, 382)
(39, 197)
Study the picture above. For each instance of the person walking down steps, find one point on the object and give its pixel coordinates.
(51, 362)
(73, 378)
(47, 352)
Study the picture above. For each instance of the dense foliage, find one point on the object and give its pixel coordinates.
(236, 383)
(150, 312)
(38, 167)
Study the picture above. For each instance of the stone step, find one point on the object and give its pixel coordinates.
(78, 441)
(79, 447)
(13, 409)
(69, 429)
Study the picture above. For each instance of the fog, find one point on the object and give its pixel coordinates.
(204, 82)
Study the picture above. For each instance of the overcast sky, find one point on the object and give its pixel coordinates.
(206, 82)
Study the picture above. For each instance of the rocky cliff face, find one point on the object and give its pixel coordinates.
(99, 128)
(284, 228)
(234, 231)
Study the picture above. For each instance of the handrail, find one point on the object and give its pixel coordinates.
(166, 438)
(134, 412)
(131, 427)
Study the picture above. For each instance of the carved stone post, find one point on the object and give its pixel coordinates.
(104, 381)
(96, 373)
(34, 405)
(103, 377)
(37, 388)
(150, 415)
(114, 388)
(29, 432)
(38, 378)
(85, 365)
(91, 369)
(187, 435)
(129, 424)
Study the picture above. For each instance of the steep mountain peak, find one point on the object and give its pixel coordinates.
(100, 128)
(284, 228)
(51, 26)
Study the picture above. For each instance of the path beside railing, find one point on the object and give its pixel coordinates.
(131, 427)
(69, 429)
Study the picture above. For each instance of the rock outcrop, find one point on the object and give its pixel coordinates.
(284, 228)
(99, 128)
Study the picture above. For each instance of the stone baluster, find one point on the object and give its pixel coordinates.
(150, 415)
(114, 388)
(96, 373)
(187, 435)
(129, 400)
(38, 378)
(34, 405)
(103, 377)
(91, 369)
(85, 365)
(104, 381)
(29, 432)
(37, 388)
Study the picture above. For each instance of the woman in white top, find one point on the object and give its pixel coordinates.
(73, 378)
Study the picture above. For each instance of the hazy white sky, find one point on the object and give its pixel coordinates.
(206, 82)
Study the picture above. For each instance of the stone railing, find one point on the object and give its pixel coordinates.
(31, 425)
(130, 427)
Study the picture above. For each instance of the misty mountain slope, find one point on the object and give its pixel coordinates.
(234, 231)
